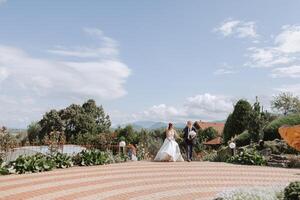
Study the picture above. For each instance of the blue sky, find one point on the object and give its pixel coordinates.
(145, 60)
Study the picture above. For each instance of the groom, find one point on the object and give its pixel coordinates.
(189, 141)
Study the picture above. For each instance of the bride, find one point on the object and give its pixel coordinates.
(169, 151)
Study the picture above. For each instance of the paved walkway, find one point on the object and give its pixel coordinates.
(141, 180)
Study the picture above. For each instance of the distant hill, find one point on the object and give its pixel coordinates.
(158, 125)
(143, 124)
(150, 125)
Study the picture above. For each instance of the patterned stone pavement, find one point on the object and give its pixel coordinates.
(141, 180)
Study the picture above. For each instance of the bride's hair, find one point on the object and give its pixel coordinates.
(170, 126)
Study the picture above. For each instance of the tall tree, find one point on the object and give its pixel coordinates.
(237, 122)
(286, 103)
(75, 120)
(102, 120)
(51, 121)
(227, 132)
(128, 133)
(256, 122)
(72, 120)
(33, 132)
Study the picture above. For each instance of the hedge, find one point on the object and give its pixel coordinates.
(271, 131)
(243, 139)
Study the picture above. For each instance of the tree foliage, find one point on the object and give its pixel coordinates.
(238, 121)
(7, 141)
(228, 129)
(51, 121)
(257, 121)
(207, 134)
(249, 120)
(129, 134)
(73, 121)
(286, 103)
(33, 131)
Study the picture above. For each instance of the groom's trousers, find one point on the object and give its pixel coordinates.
(189, 151)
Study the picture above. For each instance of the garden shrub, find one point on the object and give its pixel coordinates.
(223, 154)
(207, 134)
(292, 191)
(294, 161)
(271, 130)
(279, 147)
(91, 157)
(252, 193)
(3, 168)
(243, 139)
(119, 158)
(110, 156)
(62, 160)
(248, 157)
(7, 141)
(35, 163)
(211, 156)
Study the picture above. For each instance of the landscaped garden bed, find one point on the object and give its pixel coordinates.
(41, 162)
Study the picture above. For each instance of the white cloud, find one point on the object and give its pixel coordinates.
(108, 47)
(47, 83)
(227, 27)
(204, 106)
(163, 112)
(290, 72)
(288, 41)
(285, 49)
(237, 28)
(224, 71)
(208, 104)
(268, 57)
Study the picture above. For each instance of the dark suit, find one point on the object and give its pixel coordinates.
(189, 143)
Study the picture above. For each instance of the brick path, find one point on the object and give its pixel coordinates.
(141, 180)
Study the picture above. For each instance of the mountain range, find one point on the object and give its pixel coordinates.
(150, 125)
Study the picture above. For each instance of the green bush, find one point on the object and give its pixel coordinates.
(223, 154)
(110, 157)
(294, 161)
(91, 157)
(207, 134)
(3, 168)
(279, 147)
(210, 156)
(62, 160)
(248, 157)
(119, 158)
(35, 163)
(292, 191)
(271, 130)
(243, 139)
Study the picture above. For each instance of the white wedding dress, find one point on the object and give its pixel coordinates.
(169, 151)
